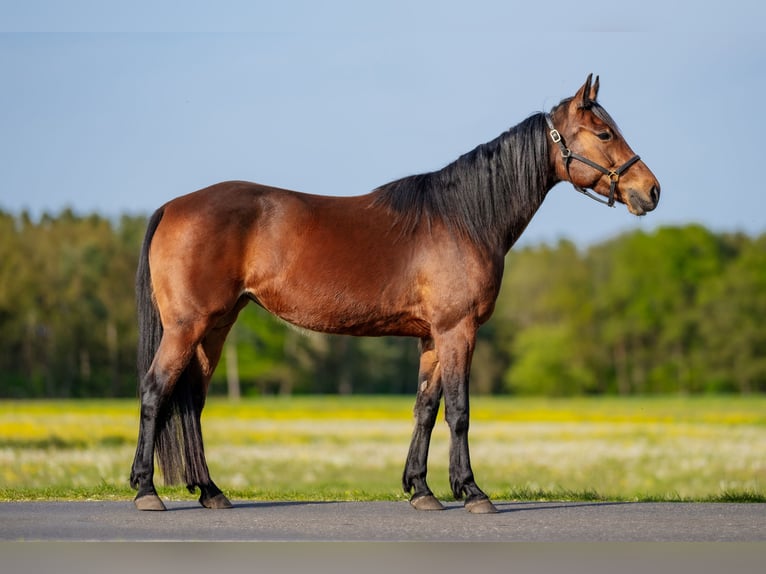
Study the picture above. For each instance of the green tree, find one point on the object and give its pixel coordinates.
(547, 309)
(66, 305)
(732, 316)
(647, 293)
(680, 309)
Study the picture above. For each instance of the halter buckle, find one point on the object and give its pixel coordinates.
(555, 135)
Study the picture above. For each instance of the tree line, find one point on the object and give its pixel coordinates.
(676, 310)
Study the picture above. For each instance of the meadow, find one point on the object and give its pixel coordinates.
(353, 448)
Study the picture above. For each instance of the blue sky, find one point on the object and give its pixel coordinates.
(119, 107)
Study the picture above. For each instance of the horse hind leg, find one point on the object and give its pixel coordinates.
(196, 472)
(157, 409)
(172, 397)
(210, 495)
(202, 366)
(142, 472)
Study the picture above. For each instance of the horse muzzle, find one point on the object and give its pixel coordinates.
(641, 202)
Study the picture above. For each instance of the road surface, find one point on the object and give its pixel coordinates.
(385, 521)
(382, 538)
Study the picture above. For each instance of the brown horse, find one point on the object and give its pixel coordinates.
(421, 257)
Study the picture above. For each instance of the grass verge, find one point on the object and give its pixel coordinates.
(710, 449)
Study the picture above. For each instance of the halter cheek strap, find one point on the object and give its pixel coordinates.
(568, 155)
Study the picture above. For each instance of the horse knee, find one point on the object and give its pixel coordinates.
(458, 422)
(426, 412)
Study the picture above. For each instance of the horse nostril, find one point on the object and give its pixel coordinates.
(654, 193)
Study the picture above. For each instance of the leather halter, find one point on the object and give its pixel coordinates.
(568, 155)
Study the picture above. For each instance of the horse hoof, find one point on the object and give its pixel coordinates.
(149, 502)
(426, 502)
(481, 506)
(218, 501)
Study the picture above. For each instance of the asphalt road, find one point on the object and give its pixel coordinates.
(384, 521)
(382, 538)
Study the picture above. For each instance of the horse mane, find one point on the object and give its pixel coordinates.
(488, 194)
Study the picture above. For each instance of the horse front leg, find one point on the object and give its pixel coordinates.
(455, 351)
(426, 410)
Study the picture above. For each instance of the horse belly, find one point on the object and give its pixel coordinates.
(343, 310)
(331, 292)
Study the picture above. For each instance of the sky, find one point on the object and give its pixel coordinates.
(117, 107)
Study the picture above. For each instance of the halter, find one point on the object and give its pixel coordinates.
(568, 154)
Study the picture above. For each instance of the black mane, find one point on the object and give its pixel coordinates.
(488, 194)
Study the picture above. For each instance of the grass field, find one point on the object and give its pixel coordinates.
(320, 448)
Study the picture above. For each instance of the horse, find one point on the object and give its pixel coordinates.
(421, 257)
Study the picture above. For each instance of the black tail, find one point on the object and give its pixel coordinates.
(178, 443)
(149, 324)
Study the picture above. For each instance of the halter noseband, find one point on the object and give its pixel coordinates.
(568, 154)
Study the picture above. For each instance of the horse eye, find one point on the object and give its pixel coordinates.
(605, 136)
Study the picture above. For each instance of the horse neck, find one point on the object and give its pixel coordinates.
(487, 195)
(517, 173)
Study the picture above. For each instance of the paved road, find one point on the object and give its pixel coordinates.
(295, 538)
(385, 521)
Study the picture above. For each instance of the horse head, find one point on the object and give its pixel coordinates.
(591, 153)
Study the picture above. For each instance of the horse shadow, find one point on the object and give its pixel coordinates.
(453, 507)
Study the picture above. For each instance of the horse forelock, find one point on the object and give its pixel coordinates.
(486, 194)
(598, 110)
(604, 116)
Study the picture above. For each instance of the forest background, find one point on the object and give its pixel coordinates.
(674, 310)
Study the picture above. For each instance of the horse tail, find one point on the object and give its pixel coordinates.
(149, 324)
(178, 439)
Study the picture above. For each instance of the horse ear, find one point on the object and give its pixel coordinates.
(594, 91)
(582, 97)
